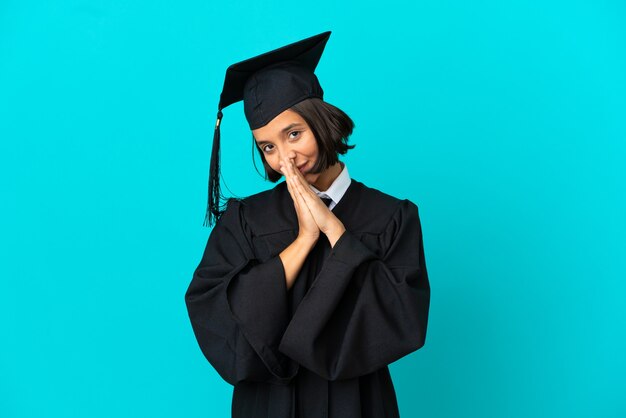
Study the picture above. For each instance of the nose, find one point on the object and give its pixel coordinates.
(287, 155)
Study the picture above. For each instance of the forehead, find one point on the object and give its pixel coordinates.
(276, 126)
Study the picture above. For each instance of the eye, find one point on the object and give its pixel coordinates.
(293, 132)
(265, 147)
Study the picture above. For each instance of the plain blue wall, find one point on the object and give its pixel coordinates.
(503, 121)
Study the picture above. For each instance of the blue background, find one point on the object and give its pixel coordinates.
(503, 121)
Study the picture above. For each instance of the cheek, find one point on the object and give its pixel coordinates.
(310, 147)
(273, 162)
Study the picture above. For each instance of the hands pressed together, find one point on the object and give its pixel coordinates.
(313, 214)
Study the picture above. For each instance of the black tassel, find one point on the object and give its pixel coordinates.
(213, 211)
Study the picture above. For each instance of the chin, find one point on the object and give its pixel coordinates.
(311, 178)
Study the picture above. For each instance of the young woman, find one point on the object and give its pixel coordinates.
(306, 292)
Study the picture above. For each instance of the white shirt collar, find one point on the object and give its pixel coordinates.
(337, 189)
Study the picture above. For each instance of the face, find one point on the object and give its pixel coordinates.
(288, 136)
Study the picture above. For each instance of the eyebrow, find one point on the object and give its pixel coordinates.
(282, 131)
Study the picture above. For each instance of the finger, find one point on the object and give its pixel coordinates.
(298, 193)
(291, 190)
(308, 196)
(289, 186)
(302, 191)
(296, 172)
(293, 170)
(294, 194)
(307, 193)
(304, 194)
(305, 183)
(289, 168)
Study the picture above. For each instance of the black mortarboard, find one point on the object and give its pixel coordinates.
(268, 84)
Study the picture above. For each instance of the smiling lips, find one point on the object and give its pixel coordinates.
(301, 168)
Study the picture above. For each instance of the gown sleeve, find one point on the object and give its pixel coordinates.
(238, 305)
(363, 312)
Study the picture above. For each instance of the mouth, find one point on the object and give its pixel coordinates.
(301, 168)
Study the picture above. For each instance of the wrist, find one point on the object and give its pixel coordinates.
(335, 233)
(306, 241)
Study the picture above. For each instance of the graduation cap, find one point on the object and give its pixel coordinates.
(268, 84)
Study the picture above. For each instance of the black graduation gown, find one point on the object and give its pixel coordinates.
(321, 348)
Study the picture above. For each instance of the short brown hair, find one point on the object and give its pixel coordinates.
(331, 128)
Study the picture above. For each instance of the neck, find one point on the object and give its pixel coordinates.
(325, 179)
